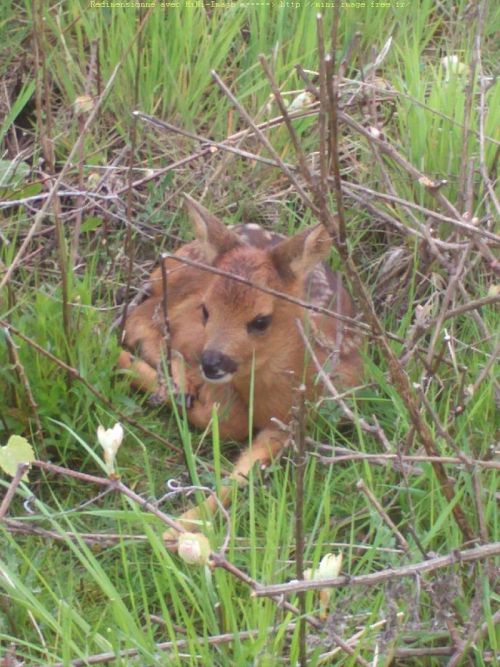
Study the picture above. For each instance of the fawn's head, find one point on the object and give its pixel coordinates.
(244, 326)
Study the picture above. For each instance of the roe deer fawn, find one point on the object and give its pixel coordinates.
(226, 336)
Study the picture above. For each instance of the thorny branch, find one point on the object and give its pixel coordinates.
(456, 558)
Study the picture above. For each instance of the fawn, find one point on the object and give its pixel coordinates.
(226, 336)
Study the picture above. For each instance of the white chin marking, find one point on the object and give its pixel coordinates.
(222, 379)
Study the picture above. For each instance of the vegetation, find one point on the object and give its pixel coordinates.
(91, 195)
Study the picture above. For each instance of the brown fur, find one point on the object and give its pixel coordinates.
(276, 356)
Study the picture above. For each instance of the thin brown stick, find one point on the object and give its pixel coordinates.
(381, 458)
(326, 658)
(300, 465)
(361, 326)
(361, 486)
(166, 321)
(470, 305)
(223, 145)
(466, 646)
(469, 92)
(45, 128)
(430, 186)
(129, 237)
(332, 90)
(476, 485)
(436, 215)
(101, 539)
(487, 368)
(289, 125)
(80, 201)
(322, 116)
(455, 558)
(455, 275)
(332, 390)
(80, 117)
(423, 652)
(441, 430)
(174, 165)
(106, 658)
(21, 373)
(7, 499)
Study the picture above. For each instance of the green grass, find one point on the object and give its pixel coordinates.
(61, 600)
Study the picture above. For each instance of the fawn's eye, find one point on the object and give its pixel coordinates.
(204, 313)
(259, 324)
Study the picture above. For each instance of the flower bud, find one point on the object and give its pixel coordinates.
(83, 104)
(193, 548)
(110, 440)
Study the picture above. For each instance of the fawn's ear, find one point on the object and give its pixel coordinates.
(296, 256)
(215, 238)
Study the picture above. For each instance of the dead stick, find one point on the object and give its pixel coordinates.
(30, 399)
(455, 558)
(105, 658)
(166, 321)
(374, 501)
(491, 465)
(300, 464)
(268, 290)
(4, 507)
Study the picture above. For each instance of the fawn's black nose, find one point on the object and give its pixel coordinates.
(216, 366)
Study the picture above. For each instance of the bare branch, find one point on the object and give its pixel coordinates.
(457, 557)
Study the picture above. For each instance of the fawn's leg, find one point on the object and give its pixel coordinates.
(145, 377)
(264, 447)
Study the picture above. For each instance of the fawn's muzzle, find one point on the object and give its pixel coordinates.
(217, 367)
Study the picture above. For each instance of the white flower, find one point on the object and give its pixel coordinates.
(83, 104)
(193, 548)
(110, 440)
(452, 65)
(375, 132)
(329, 566)
(301, 101)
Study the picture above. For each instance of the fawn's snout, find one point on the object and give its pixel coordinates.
(217, 367)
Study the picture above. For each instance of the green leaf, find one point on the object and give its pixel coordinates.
(13, 173)
(30, 190)
(21, 101)
(17, 450)
(90, 223)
